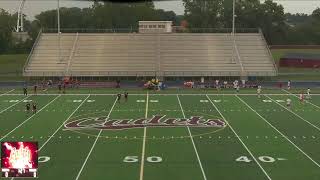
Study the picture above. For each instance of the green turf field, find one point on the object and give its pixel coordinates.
(11, 66)
(259, 139)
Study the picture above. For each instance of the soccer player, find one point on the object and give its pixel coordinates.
(259, 91)
(308, 93)
(59, 87)
(28, 107)
(234, 85)
(35, 87)
(118, 97)
(289, 85)
(301, 97)
(289, 103)
(64, 88)
(25, 91)
(225, 84)
(34, 108)
(217, 84)
(238, 88)
(126, 96)
(243, 83)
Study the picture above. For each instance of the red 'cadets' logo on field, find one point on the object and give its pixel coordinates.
(105, 123)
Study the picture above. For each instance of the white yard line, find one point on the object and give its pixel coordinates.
(279, 131)
(294, 113)
(194, 146)
(29, 118)
(174, 94)
(7, 92)
(64, 122)
(298, 97)
(244, 145)
(94, 144)
(14, 104)
(144, 140)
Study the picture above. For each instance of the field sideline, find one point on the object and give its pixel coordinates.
(260, 138)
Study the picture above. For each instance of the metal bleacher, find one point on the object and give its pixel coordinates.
(134, 54)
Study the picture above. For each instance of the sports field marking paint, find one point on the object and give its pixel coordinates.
(298, 97)
(144, 140)
(279, 132)
(63, 123)
(295, 114)
(14, 104)
(159, 138)
(174, 94)
(7, 92)
(194, 146)
(29, 118)
(94, 144)
(244, 145)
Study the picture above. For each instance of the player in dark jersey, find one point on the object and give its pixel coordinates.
(118, 97)
(28, 107)
(35, 89)
(64, 88)
(126, 96)
(59, 87)
(34, 108)
(25, 91)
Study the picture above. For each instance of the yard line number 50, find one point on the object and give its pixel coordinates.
(150, 159)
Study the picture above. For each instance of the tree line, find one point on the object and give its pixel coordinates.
(278, 27)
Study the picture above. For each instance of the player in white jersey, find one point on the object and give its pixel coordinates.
(308, 93)
(217, 84)
(238, 89)
(225, 84)
(288, 102)
(259, 91)
(243, 83)
(289, 85)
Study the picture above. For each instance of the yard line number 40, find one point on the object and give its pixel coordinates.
(265, 159)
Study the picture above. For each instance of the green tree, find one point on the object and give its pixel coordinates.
(316, 14)
(204, 13)
(6, 23)
(105, 15)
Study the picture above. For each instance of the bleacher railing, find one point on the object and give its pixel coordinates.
(269, 52)
(135, 30)
(31, 52)
(148, 74)
(74, 46)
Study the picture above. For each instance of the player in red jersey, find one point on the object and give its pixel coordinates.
(301, 97)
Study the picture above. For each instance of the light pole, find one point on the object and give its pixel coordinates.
(20, 17)
(233, 16)
(233, 30)
(59, 38)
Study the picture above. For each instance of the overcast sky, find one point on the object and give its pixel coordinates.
(33, 7)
